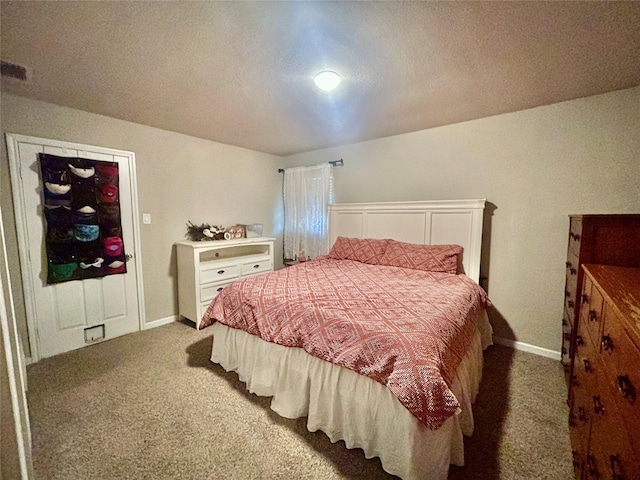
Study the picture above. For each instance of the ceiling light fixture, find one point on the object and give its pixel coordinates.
(327, 80)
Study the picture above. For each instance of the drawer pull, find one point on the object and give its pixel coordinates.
(579, 340)
(220, 272)
(576, 236)
(574, 381)
(219, 289)
(607, 343)
(598, 407)
(593, 316)
(626, 388)
(582, 415)
(592, 466)
(566, 336)
(573, 271)
(564, 322)
(616, 467)
(567, 294)
(257, 265)
(587, 365)
(585, 298)
(570, 304)
(568, 264)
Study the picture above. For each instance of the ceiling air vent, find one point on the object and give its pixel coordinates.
(11, 70)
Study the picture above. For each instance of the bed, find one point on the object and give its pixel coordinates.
(383, 339)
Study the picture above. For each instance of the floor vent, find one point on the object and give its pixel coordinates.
(11, 70)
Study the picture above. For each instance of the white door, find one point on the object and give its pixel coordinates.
(69, 315)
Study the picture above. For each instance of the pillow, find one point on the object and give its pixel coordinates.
(365, 250)
(432, 258)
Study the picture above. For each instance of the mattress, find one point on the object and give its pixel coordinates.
(351, 407)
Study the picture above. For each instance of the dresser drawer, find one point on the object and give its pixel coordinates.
(591, 314)
(586, 347)
(572, 265)
(570, 293)
(567, 332)
(211, 291)
(622, 356)
(611, 452)
(257, 266)
(217, 273)
(580, 416)
(575, 235)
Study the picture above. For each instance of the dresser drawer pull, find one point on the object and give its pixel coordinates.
(220, 272)
(567, 294)
(257, 265)
(219, 289)
(573, 271)
(597, 405)
(574, 381)
(582, 415)
(564, 322)
(579, 340)
(592, 466)
(607, 343)
(617, 473)
(570, 304)
(568, 264)
(566, 336)
(626, 388)
(587, 365)
(593, 316)
(585, 298)
(575, 236)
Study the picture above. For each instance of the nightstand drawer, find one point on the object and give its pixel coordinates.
(209, 292)
(208, 275)
(257, 267)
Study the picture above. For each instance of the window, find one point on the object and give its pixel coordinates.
(308, 191)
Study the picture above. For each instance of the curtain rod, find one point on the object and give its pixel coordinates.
(335, 163)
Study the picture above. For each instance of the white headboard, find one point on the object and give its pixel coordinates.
(427, 222)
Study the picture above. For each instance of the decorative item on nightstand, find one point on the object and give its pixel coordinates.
(204, 232)
(252, 230)
(235, 232)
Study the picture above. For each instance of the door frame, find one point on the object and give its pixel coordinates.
(20, 212)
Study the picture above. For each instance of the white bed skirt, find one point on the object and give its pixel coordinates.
(351, 407)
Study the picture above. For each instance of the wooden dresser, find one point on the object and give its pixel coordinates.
(601, 239)
(604, 418)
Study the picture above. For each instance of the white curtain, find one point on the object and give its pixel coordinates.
(307, 194)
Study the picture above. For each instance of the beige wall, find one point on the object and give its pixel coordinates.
(535, 167)
(180, 178)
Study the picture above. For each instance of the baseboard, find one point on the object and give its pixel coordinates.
(526, 347)
(160, 322)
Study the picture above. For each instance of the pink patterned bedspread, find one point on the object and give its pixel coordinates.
(407, 329)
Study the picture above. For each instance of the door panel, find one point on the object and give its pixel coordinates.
(63, 311)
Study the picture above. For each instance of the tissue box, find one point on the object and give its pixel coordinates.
(253, 230)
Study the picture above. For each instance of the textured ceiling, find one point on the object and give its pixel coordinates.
(241, 72)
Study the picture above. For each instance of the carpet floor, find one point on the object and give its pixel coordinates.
(151, 405)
